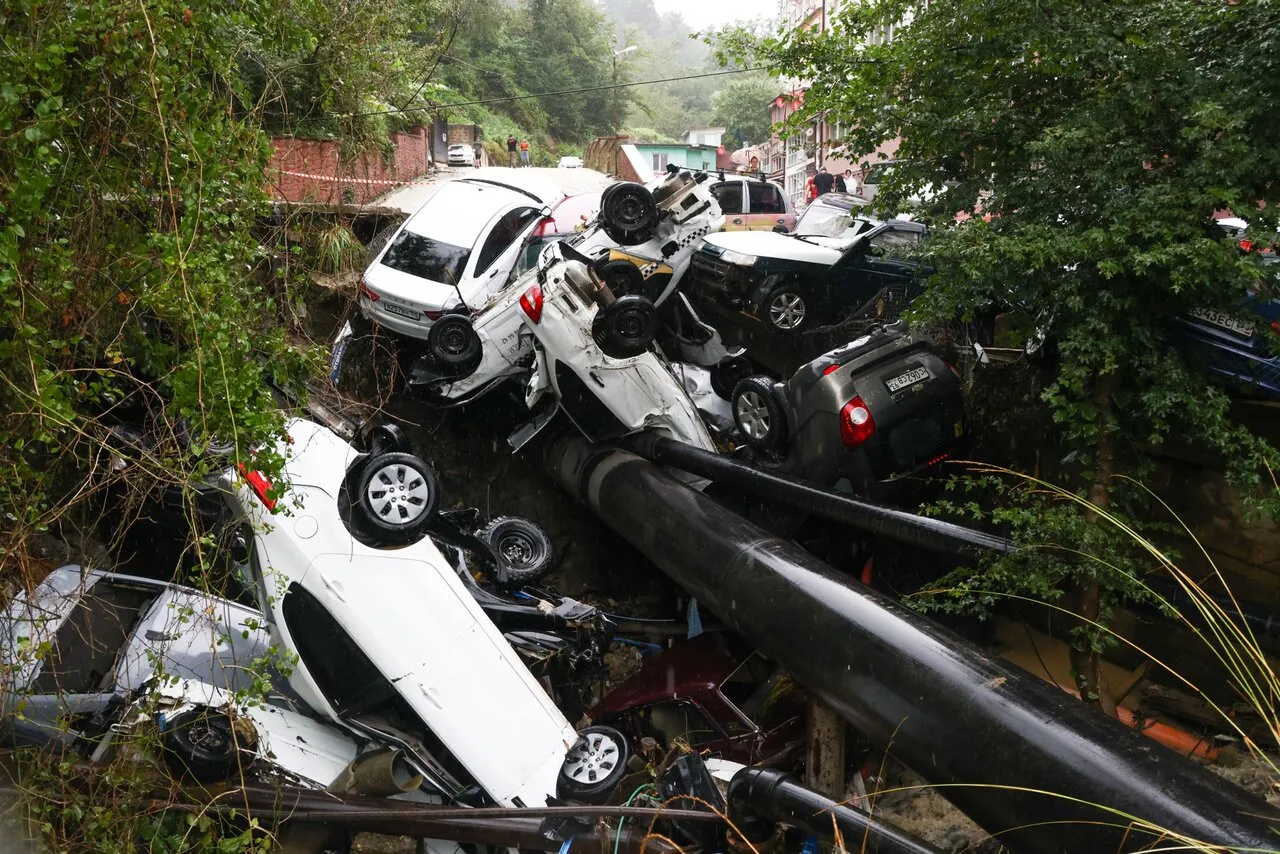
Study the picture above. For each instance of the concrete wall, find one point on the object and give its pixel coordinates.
(312, 170)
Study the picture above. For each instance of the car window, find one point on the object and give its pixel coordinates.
(680, 719)
(765, 199)
(343, 673)
(426, 258)
(85, 648)
(504, 233)
(529, 255)
(877, 173)
(896, 237)
(729, 195)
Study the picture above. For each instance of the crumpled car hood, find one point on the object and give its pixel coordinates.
(770, 244)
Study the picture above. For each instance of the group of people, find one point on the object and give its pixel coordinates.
(515, 146)
(823, 182)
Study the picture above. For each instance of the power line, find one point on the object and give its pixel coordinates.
(508, 99)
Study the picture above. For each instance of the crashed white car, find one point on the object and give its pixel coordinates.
(390, 643)
(456, 251)
(582, 324)
(89, 655)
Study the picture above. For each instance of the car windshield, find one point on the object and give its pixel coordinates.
(822, 220)
(426, 258)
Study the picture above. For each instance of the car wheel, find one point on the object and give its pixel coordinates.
(628, 213)
(594, 766)
(625, 327)
(208, 745)
(621, 277)
(385, 438)
(523, 548)
(454, 344)
(785, 309)
(727, 373)
(395, 496)
(758, 414)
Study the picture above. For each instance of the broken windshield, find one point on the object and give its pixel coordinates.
(825, 221)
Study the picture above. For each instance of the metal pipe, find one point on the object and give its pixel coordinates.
(770, 794)
(932, 534)
(1039, 769)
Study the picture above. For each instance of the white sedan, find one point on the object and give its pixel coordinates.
(456, 251)
(461, 155)
(570, 162)
(390, 642)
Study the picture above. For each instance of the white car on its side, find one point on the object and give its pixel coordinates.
(456, 251)
(391, 643)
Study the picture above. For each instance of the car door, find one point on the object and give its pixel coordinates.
(876, 278)
(733, 204)
(767, 208)
(498, 253)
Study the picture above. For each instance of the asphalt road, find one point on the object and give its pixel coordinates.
(572, 181)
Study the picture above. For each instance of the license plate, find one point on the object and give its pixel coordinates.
(1223, 321)
(403, 312)
(911, 377)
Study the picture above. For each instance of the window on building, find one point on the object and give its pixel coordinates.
(659, 163)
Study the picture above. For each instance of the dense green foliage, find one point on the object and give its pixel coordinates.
(1098, 139)
(742, 106)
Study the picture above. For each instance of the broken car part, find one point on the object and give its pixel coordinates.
(1051, 775)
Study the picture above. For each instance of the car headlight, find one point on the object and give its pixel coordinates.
(731, 257)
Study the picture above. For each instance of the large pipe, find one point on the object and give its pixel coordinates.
(1029, 763)
(770, 794)
(899, 525)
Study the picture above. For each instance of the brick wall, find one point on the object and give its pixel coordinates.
(311, 170)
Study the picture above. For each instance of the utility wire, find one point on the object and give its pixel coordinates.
(429, 107)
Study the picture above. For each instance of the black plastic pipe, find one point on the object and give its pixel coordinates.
(769, 794)
(1032, 765)
(919, 531)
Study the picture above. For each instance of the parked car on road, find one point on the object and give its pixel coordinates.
(569, 161)
(753, 204)
(391, 643)
(880, 407)
(462, 155)
(836, 264)
(455, 252)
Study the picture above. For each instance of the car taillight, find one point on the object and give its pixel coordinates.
(830, 369)
(261, 487)
(368, 294)
(856, 423)
(531, 302)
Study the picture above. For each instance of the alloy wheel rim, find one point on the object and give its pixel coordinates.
(753, 415)
(593, 758)
(787, 311)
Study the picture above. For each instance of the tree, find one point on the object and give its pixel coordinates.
(1091, 143)
(742, 106)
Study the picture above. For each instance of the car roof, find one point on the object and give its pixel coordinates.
(458, 211)
(521, 181)
(843, 201)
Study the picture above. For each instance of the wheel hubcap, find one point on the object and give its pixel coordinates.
(593, 758)
(631, 324)
(208, 737)
(753, 415)
(398, 494)
(786, 311)
(629, 211)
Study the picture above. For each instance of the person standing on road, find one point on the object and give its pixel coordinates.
(841, 187)
(524, 152)
(511, 150)
(478, 148)
(810, 190)
(823, 181)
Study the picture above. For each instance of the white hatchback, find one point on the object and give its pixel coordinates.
(455, 252)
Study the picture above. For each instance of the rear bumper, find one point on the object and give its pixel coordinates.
(417, 329)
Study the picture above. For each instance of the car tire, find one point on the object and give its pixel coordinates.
(204, 743)
(621, 277)
(522, 547)
(727, 373)
(786, 309)
(593, 767)
(626, 327)
(385, 438)
(628, 213)
(394, 497)
(453, 343)
(758, 414)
